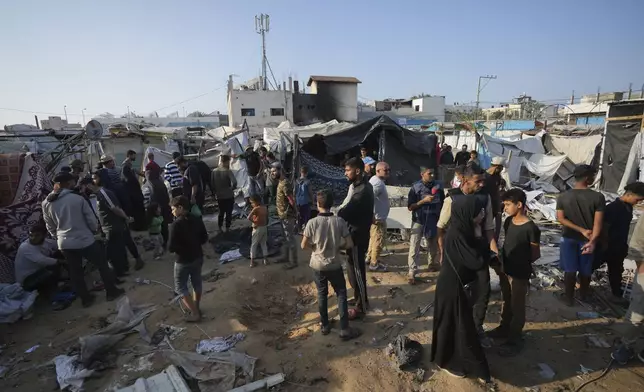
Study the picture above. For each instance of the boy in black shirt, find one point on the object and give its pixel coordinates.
(613, 246)
(581, 212)
(520, 250)
(187, 235)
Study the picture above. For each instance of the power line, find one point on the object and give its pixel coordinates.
(191, 99)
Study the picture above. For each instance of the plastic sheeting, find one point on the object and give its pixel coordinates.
(620, 137)
(543, 166)
(519, 150)
(15, 303)
(580, 150)
(305, 132)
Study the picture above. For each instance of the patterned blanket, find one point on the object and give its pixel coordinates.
(16, 218)
(325, 176)
(10, 170)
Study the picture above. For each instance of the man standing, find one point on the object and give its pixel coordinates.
(173, 176)
(131, 178)
(635, 316)
(71, 221)
(447, 158)
(492, 188)
(192, 182)
(270, 188)
(462, 156)
(224, 183)
(380, 214)
(152, 165)
(111, 177)
(286, 212)
(581, 212)
(358, 213)
(425, 201)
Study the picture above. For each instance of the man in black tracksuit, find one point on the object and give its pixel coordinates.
(358, 213)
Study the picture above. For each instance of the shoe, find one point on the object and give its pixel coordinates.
(622, 354)
(325, 329)
(89, 301)
(640, 356)
(453, 373)
(378, 268)
(114, 294)
(498, 333)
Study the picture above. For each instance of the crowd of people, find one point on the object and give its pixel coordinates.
(460, 224)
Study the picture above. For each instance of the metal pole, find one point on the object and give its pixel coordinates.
(83, 112)
(65, 109)
(478, 94)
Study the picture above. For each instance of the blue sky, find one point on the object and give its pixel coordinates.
(151, 54)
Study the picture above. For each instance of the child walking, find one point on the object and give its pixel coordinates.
(303, 197)
(520, 250)
(155, 224)
(259, 217)
(187, 235)
(326, 234)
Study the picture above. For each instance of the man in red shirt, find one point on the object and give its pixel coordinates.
(152, 165)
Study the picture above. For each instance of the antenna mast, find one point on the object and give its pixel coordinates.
(262, 26)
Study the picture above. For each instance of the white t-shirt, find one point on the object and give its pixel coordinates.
(380, 198)
(326, 234)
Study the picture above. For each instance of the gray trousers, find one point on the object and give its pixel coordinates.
(414, 248)
(635, 316)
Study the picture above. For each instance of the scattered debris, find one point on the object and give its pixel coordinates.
(546, 371)
(32, 349)
(169, 380)
(253, 281)
(421, 312)
(393, 291)
(587, 315)
(3, 371)
(376, 312)
(70, 373)
(265, 383)
(219, 344)
(376, 280)
(596, 341)
(408, 352)
(584, 370)
(229, 256)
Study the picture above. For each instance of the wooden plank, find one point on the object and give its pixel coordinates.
(625, 118)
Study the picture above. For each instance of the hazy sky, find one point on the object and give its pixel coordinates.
(152, 54)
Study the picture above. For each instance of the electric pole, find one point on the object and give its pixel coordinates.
(262, 26)
(479, 89)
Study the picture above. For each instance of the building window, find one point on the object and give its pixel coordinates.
(417, 108)
(277, 111)
(248, 112)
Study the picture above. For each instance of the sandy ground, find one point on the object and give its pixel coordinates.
(277, 310)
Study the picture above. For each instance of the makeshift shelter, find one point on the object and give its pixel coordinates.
(24, 184)
(404, 150)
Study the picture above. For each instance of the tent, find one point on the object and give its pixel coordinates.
(403, 149)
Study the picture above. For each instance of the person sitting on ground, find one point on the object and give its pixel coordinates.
(520, 250)
(155, 223)
(69, 219)
(581, 212)
(613, 246)
(303, 197)
(326, 235)
(259, 218)
(223, 181)
(187, 236)
(634, 321)
(38, 261)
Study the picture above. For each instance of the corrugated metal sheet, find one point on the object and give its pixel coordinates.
(335, 79)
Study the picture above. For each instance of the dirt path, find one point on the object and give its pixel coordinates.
(277, 310)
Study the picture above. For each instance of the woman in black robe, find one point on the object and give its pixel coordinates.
(159, 194)
(131, 179)
(455, 341)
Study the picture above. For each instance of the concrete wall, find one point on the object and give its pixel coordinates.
(305, 109)
(207, 122)
(262, 102)
(336, 100)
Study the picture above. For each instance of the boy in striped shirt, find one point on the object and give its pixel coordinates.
(173, 176)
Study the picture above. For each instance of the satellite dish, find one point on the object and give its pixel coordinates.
(94, 130)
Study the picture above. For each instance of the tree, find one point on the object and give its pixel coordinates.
(197, 114)
(532, 109)
(497, 115)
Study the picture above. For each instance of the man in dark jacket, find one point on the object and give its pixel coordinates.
(358, 213)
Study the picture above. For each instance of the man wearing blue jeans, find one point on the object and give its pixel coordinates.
(326, 234)
(581, 212)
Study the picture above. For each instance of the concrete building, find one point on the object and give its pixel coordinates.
(337, 97)
(260, 108)
(210, 121)
(430, 105)
(427, 108)
(58, 124)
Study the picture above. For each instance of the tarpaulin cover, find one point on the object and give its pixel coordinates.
(543, 166)
(620, 136)
(579, 149)
(405, 151)
(520, 149)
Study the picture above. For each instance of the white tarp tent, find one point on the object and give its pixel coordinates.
(305, 132)
(528, 153)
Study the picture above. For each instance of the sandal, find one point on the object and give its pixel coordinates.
(352, 333)
(265, 262)
(411, 280)
(191, 318)
(325, 329)
(252, 264)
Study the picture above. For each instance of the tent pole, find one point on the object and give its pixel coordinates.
(601, 153)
